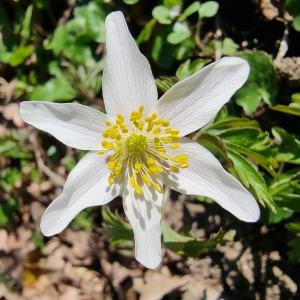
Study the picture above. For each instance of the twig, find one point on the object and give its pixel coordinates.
(198, 39)
(283, 47)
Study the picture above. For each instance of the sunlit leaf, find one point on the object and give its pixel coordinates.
(262, 82)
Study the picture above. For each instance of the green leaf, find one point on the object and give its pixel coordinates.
(130, 2)
(12, 146)
(208, 9)
(162, 14)
(293, 6)
(84, 221)
(289, 146)
(93, 17)
(172, 3)
(262, 82)
(291, 109)
(296, 23)
(216, 146)
(296, 97)
(293, 227)
(38, 241)
(7, 210)
(162, 52)
(20, 54)
(229, 47)
(53, 90)
(26, 28)
(294, 252)
(280, 215)
(285, 190)
(250, 177)
(3, 217)
(180, 33)
(164, 83)
(191, 9)
(191, 246)
(115, 227)
(185, 49)
(145, 34)
(189, 67)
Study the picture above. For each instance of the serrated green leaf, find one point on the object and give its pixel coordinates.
(164, 83)
(250, 177)
(115, 227)
(289, 146)
(191, 246)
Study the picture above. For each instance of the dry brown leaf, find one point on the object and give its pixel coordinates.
(157, 284)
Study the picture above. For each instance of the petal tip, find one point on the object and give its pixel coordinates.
(113, 17)
(150, 263)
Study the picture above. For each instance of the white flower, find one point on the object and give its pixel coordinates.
(137, 147)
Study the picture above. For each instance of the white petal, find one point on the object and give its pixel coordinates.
(86, 186)
(144, 215)
(73, 124)
(205, 176)
(193, 102)
(127, 80)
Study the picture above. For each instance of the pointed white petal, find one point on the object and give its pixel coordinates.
(73, 124)
(86, 186)
(205, 176)
(144, 215)
(127, 80)
(193, 102)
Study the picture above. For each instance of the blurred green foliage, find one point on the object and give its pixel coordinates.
(54, 51)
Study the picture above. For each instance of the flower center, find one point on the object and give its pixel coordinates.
(140, 150)
(136, 144)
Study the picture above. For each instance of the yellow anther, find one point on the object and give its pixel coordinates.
(140, 147)
(111, 164)
(120, 117)
(111, 179)
(141, 109)
(156, 140)
(149, 127)
(173, 169)
(158, 187)
(156, 130)
(146, 180)
(174, 146)
(151, 161)
(151, 118)
(138, 166)
(107, 145)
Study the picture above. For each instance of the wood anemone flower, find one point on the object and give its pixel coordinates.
(139, 147)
